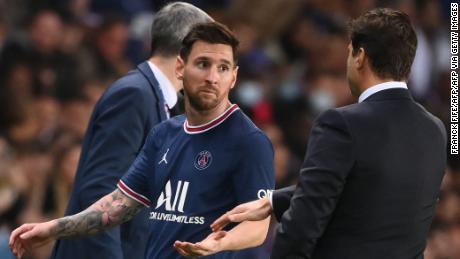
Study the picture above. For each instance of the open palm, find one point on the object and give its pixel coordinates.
(211, 245)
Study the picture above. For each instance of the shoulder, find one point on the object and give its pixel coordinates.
(166, 129)
(336, 117)
(434, 120)
(246, 134)
(133, 86)
(134, 81)
(172, 125)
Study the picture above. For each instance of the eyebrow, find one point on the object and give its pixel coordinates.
(225, 61)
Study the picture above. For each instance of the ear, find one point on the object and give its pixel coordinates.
(360, 58)
(180, 65)
(234, 74)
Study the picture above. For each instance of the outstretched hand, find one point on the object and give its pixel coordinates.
(211, 245)
(250, 211)
(30, 236)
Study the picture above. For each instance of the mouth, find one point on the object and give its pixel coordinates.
(208, 91)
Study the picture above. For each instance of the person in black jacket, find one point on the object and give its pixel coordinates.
(371, 177)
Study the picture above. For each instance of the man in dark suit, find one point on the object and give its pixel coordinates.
(370, 181)
(117, 130)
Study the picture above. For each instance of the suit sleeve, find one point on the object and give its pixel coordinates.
(254, 177)
(329, 159)
(117, 134)
(281, 200)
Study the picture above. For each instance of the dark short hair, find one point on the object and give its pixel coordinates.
(388, 39)
(209, 32)
(171, 24)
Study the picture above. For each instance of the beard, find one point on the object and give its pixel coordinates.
(200, 101)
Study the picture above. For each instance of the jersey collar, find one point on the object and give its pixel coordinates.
(211, 124)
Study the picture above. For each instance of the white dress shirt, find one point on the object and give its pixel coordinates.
(168, 90)
(380, 87)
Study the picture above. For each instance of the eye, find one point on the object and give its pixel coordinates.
(224, 68)
(202, 64)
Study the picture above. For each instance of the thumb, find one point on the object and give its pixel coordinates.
(240, 217)
(29, 234)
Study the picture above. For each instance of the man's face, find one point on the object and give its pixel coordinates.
(208, 74)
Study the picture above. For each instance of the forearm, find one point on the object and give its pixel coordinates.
(246, 234)
(111, 210)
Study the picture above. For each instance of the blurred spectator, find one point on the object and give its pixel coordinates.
(64, 173)
(110, 42)
(74, 116)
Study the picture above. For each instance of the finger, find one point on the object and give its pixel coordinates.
(21, 253)
(180, 250)
(225, 219)
(220, 223)
(240, 217)
(19, 250)
(17, 247)
(187, 248)
(201, 249)
(192, 248)
(18, 231)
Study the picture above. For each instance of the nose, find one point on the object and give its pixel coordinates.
(212, 76)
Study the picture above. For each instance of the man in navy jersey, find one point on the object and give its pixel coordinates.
(191, 169)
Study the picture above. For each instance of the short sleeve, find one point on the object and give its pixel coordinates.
(255, 176)
(134, 183)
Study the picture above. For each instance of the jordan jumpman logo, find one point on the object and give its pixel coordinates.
(164, 157)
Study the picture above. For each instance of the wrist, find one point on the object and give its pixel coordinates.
(53, 228)
(268, 205)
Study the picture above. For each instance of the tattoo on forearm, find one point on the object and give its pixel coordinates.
(109, 211)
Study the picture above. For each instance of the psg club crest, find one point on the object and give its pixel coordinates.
(203, 160)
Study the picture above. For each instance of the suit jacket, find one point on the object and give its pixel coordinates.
(369, 183)
(118, 127)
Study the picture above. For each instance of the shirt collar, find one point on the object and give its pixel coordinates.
(380, 87)
(168, 90)
(211, 124)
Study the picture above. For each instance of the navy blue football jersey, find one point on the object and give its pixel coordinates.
(188, 176)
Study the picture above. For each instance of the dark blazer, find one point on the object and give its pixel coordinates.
(369, 183)
(118, 127)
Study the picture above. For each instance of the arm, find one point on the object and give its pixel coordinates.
(244, 235)
(330, 157)
(258, 209)
(249, 211)
(111, 210)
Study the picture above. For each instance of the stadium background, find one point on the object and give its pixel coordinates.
(58, 56)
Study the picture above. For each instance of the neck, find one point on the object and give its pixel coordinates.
(166, 65)
(196, 117)
(372, 80)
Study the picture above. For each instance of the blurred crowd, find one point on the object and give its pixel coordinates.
(57, 57)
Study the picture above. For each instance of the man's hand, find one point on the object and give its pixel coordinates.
(211, 245)
(250, 211)
(30, 236)
(111, 210)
